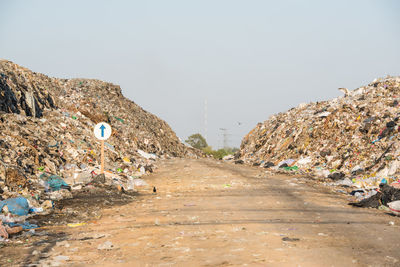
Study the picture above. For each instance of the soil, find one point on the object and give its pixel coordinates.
(211, 213)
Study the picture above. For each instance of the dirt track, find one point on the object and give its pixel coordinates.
(209, 213)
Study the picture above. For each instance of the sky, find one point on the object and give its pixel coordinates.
(248, 59)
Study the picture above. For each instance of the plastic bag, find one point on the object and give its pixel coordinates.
(18, 206)
(395, 207)
(54, 182)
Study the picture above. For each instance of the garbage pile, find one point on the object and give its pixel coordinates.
(354, 136)
(47, 146)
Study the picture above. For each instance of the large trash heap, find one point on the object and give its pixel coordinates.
(47, 146)
(353, 139)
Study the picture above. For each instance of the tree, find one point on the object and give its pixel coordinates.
(197, 141)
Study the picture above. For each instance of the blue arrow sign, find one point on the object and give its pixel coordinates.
(102, 128)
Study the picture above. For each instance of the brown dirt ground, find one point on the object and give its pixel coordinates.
(211, 213)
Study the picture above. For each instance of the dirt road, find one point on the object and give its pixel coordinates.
(209, 213)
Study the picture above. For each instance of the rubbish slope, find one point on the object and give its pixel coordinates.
(355, 135)
(46, 126)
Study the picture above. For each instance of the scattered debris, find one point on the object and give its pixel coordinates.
(384, 196)
(108, 245)
(289, 239)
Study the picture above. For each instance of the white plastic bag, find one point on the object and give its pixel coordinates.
(395, 207)
(139, 182)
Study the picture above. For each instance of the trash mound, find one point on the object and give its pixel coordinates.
(47, 147)
(351, 142)
(28, 93)
(356, 134)
(24, 92)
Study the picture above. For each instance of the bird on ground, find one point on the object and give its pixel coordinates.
(154, 189)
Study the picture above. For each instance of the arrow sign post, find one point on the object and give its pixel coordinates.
(102, 158)
(102, 131)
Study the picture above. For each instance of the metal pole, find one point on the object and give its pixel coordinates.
(102, 157)
(205, 119)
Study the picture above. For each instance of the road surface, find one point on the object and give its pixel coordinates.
(210, 213)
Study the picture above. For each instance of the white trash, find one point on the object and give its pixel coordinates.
(228, 157)
(304, 161)
(345, 181)
(146, 155)
(395, 207)
(139, 182)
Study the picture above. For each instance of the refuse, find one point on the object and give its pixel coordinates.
(385, 195)
(108, 245)
(6, 230)
(336, 175)
(15, 179)
(3, 231)
(75, 224)
(289, 239)
(395, 185)
(384, 208)
(395, 207)
(355, 135)
(24, 225)
(18, 206)
(345, 182)
(286, 163)
(46, 127)
(269, 164)
(139, 182)
(304, 161)
(54, 182)
(101, 178)
(291, 168)
(228, 157)
(146, 155)
(60, 194)
(61, 258)
(48, 152)
(354, 192)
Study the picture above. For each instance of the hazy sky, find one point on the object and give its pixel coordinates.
(250, 59)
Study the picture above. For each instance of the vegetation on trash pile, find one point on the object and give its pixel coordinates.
(199, 142)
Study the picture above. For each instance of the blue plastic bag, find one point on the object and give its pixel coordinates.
(24, 225)
(55, 182)
(18, 206)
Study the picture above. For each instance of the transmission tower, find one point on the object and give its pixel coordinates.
(225, 136)
(205, 119)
